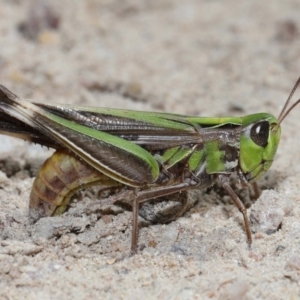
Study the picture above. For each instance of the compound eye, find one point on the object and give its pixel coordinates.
(260, 133)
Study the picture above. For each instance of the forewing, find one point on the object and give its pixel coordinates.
(151, 130)
(112, 155)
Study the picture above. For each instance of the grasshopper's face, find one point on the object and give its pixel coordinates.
(258, 145)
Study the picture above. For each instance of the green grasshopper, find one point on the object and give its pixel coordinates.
(153, 154)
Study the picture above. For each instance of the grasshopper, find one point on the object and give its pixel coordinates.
(152, 154)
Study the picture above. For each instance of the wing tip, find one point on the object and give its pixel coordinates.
(6, 93)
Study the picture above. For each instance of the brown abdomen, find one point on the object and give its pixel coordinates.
(59, 178)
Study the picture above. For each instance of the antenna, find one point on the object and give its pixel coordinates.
(285, 111)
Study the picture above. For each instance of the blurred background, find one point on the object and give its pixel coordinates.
(204, 58)
(192, 57)
(196, 57)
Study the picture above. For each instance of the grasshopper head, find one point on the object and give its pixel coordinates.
(260, 138)
(258, 144)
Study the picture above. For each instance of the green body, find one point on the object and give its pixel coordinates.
(149, 139)
(158, 153)
(134, 147)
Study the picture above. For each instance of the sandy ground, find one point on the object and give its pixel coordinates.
(205, 58)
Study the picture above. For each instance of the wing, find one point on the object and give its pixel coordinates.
(152, 130)
(16, 128)
(115, 142)
(117, 158)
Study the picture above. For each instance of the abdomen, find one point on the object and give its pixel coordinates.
(62, 175)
